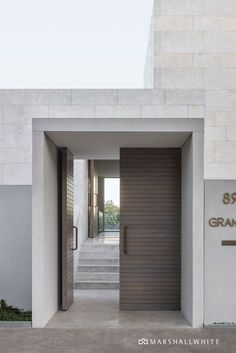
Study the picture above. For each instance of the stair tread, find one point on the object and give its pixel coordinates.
(97, 281)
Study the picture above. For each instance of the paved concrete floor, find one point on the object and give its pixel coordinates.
(100, 308)
(111, 340)
(112, 238)
(95, 325)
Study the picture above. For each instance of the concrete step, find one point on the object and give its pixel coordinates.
(99, 262)
(96, 285)
(99, 247)
(97, 276)
(98, 268)
(99, 255)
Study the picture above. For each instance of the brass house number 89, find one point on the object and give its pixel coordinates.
(229, 199)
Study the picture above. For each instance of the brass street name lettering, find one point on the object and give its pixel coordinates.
(222, 222)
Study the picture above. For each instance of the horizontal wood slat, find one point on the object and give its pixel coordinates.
(150, 203)
(67, 228)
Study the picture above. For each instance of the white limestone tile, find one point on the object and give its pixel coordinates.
(184, 97)
(214, 24)
(173, 60)
(221, 100)
(118, 111)
(17, 174)
(210, 119)
(182, 7)
(15, 135)
(220, 79)
(209, 151)
(1, 176)
(182, 78)
(225, 152)
(1, 114)
(164, 111)
(156, 7)
(12, 96)
(94, 96)
(225, 118)
(157, 42)
(182, 42)
(141, 96)
(12, 155)
(231, 133)
(173, 23)
(28, 154)
(19, 113)
(48, 96)
(214, 60)
(72, 111)
(196, 111)
(220, 171)
(214, 133)
(157, 78)
(220, 8)
(219, 42)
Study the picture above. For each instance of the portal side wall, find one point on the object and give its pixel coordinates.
(192, 238)
(45, 246)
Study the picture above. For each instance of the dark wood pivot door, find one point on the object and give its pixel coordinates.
(67, 183)
(150, 181)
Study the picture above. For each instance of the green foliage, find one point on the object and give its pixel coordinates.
(9, 313)
(112, 215)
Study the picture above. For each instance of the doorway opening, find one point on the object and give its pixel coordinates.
(139, 179)
(111, 205)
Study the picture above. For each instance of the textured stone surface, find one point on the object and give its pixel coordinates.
(187, 96)
(182, 78)
(12, 96)
(183, 42)
(140, 96)
(182, 7)
(191, 63)
(48, 96)
(215, 8)
(94, 96)
(97, 340)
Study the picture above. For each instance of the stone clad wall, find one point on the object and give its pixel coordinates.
(19, 107)
(195, 49)
(191, 63)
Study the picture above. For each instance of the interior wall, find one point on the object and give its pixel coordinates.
(45, 240)
(80, 204)
(108, 168)
(15, 244)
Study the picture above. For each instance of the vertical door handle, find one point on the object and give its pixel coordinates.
(76, 238)
(125, 239)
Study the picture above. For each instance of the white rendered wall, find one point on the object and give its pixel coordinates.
(15, 245)
(220, 283)
(80, 204)
(186, 231)
(192, 270)
(45, 242)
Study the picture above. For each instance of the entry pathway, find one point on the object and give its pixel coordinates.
(100, 308)
(109, 340)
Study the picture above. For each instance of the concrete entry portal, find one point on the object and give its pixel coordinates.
(102, 139)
